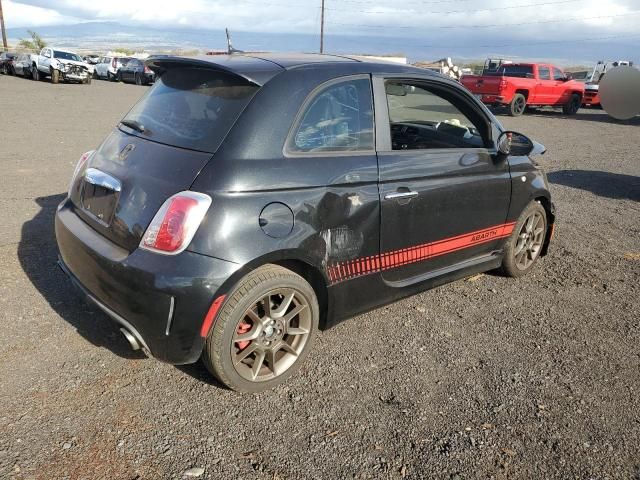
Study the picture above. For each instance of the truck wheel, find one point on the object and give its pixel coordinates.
(263, 331)
(55, 76)
(525, 243)
(35, 75)
(573, 105)
(518, 105)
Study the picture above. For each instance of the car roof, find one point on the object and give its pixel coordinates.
(259, 67)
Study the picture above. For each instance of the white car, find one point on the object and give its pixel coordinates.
(61, 65)
(107, 67)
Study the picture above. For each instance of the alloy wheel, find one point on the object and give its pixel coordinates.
(520, 105)
(530, 240)
(271, 334)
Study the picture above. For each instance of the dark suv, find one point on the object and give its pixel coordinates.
(247, 201)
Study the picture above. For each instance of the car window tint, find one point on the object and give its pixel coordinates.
(421, 119)
(557, 74)
(543, 73)
(338, 119)
(192, 108)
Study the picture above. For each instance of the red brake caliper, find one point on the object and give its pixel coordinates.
(243, 327)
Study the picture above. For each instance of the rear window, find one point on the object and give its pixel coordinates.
(191, 108)
(521, 71)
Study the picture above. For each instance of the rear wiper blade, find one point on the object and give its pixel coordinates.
(137, 126)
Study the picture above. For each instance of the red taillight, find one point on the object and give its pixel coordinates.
(175, 224)
(211, 316)
(79, 167)
(147, 69)
(113, 63)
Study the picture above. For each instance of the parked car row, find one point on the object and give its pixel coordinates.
(123, 69)
(67, 66)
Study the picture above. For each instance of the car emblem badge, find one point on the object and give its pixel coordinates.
(126, 151)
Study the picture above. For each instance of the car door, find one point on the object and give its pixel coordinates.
(560, 92)
(444, 192)
(45, 60)
(545, 87)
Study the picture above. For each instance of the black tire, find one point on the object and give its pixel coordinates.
(573, 105)
(138, 79)
(95, 75)
(35, 74)
(119, 77)
(510, 264)
(220, 348)
(518, 105)
(55, 76)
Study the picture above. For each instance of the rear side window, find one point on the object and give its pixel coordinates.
(543, 73)
(339, 118)
(191, 108)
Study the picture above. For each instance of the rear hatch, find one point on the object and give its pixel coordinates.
(158, 149)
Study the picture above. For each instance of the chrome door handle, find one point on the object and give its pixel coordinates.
(101, 179)
(400, 195)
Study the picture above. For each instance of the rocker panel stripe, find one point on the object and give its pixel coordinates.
(358, 267)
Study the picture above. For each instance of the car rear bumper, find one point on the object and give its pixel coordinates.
(161, 300)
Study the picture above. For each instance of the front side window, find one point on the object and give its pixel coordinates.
(338, 119)
(558, 75)
(543, 73)
(422, 119)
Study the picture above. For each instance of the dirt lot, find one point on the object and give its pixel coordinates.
(483, 378)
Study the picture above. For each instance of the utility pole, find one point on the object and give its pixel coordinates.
(321, 28)
(4, 34)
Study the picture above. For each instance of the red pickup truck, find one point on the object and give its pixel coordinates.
(518, 85)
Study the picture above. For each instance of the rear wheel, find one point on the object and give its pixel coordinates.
(35, 75)
(525, 244)
(263, 331)
(119, 77)
(573, 105)
(518, 105)
(138, 79)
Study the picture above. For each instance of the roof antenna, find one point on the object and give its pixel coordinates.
(230, 49)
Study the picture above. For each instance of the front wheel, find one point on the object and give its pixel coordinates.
(518, 105)
(525, 243)
(55, 76)
(35, 75)
(573, 105)
(264, 330)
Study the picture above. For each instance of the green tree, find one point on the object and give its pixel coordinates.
(36, 43)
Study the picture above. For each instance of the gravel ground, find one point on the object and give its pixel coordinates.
(483, 378)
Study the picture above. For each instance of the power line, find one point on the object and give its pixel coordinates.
(464, 26)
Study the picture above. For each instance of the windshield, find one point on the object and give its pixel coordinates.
(191, 108)
(522, 71)
(66, 56)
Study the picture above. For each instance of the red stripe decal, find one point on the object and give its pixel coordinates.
(406, 256)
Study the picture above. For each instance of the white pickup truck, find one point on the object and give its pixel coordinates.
(61, 65)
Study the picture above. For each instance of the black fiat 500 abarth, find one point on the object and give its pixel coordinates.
(248, 200)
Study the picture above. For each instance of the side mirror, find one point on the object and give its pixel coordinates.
(514, 143)
(568, 76)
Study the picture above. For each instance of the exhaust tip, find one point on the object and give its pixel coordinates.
(130, 338)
